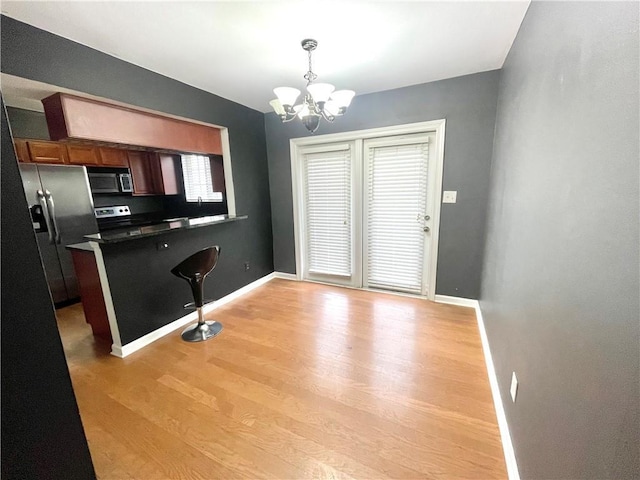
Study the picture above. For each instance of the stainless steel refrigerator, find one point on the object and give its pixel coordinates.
(62, 213)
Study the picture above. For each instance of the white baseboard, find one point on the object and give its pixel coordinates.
(285, 276)
(507, 445)
(462, 302)
(151, 337)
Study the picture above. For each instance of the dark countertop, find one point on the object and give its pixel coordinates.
(84, 246)
(183, 223)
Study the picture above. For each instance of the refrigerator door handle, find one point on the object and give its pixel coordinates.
(47, 218)
(52, 213)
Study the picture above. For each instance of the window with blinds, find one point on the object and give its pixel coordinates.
(396, 205)
(198, 181)
(327, 198)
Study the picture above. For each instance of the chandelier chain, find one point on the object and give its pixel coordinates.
(310, 76)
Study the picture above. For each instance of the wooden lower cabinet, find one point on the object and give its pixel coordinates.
(83, 155)
(43, 151)
(95, 311)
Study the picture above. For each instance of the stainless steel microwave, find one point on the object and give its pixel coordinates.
(110, 182)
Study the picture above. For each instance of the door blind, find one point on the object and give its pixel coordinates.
(397, 193)
(327, 190)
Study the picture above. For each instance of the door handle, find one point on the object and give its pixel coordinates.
(47, 218)
(423, 219)
(52, 211)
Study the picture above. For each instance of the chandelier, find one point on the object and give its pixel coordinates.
(320, 101)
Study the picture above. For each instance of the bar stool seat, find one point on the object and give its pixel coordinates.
(194, 269)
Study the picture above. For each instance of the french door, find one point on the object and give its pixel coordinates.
(365, 212)
(396, 213)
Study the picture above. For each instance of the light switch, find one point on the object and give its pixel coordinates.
(514, 387)
(449, 196)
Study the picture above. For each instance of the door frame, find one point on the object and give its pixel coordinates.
(436, 127)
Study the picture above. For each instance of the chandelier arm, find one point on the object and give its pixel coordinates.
(288, 116)
(327, 116)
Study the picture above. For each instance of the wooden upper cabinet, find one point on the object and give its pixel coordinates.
(70, 117)
(165, 178)
(22, 150)
(83, 154)
(141, 173)
(113, 157)
(42, 151)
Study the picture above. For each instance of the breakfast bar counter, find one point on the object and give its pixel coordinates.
(143, 300)
(181, 223)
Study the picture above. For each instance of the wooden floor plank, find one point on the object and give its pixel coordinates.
(305, 381)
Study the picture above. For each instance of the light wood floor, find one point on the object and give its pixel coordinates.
(305, 381)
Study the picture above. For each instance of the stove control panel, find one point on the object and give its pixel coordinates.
(110, 212)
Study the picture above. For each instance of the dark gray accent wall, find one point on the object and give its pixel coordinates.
(27, 123)
(42, 435)
(34, 54)
(469, 105)
(560, 282)
(137, 267)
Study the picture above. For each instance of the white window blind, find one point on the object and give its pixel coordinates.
(397, 193)
(198, 182)
(327, 198)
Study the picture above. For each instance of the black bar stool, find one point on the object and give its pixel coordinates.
(194, 270)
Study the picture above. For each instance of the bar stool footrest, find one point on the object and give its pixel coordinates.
(189, 305)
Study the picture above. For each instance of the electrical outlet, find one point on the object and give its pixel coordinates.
(449, 196)
(514, 387)
(247, 266)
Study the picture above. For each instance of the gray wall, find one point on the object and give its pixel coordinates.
(560, 278)
(32, 53)
(42, 434)
(27, 124)
(469, 105)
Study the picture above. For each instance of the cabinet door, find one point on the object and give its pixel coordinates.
(141, 174)
(113, 157)
(83, 155)
(22, 150)
(42, 151)
(164, 174)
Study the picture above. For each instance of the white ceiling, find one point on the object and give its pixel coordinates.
(242, 50)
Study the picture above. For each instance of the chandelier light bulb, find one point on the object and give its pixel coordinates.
(301, 110)
(277, 106)
(320, 91)
(287, 95)
(343, 97)
(321, 101)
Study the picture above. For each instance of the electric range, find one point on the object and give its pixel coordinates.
(119, 216)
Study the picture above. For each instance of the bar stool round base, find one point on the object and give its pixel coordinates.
(201, 332)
